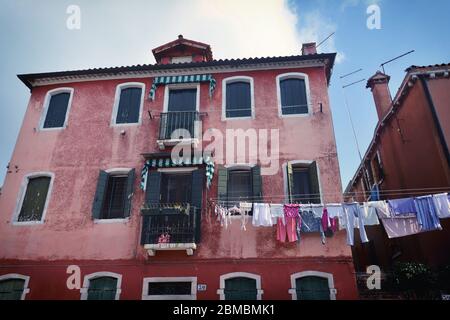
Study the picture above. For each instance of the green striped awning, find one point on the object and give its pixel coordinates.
(168, 162)
(157, 81)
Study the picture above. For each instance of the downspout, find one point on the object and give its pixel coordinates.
(435, 118)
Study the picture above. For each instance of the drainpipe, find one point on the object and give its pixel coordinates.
(435, 118)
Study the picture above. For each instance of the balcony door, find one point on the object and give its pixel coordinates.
(181, 111)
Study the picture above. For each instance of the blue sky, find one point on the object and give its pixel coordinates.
(35, 39)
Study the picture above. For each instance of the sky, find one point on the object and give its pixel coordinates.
(35, 38)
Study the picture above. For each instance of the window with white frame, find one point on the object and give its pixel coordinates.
(56, 108)
(101, 286)
(240, 286)
(169, 288)
(34, 197)
(128, 103)
(238, 98)
(14, 286)
(293, 94)
(312, 285)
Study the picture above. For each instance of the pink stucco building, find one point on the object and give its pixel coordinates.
(72, 195)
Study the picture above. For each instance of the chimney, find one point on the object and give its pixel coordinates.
(379, 85)
(309, 48)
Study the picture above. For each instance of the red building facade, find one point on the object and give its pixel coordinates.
(75, 222)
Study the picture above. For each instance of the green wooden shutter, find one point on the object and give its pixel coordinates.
(99, 194)
(11, 289)
(222, 188)
(197, 197)
(290, 181)
(129, 193)
(240, 288)
(103, 288)
(256, 183)
(34, 200)
(153, 194)
(312, 288)
(314, 182)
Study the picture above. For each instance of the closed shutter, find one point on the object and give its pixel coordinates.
(11, 289)
(103, 288)
(153, 194)
(240, 288)
(256, 183)
(238, 100)
(99, 194)
(34, 200)
(293, 96)
(129, 193)
(312, 288)
(314, 183)
(57, 109)
(290, 182)
(129, 105)
(197, 196)
(222, 184)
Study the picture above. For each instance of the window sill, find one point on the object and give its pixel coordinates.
(130, 124)
(152, 248)
(299, 115)
(172, 142)
(27, 223)
(238, 118)
(53, 129)
(105, 221)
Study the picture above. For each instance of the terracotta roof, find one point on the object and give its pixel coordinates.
(428, 67)
(183, 41)
(329, 58)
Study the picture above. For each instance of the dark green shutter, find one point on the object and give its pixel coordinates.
(312, 288)
(99, 194)
(256, 183)
(129, 193)
(153, 194)
(222, 188)
(240, 288)
(314, 182)
(103, 288)
(197, 196)
(34, 200)
(11, 289)
(290, 181)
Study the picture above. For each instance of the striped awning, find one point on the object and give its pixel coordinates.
(157, 81)
(168, 162)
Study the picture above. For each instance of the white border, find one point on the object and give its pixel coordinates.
(119, 89)
(47, 99)
(301, 162)
(115, 172)
(181, 86)
(293, 75)
(21, 197)
(192, 296)
(224, 96)
(12, 276)
(221, 291)
(328, 276)
(89, 277)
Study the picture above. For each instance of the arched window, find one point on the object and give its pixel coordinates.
(293, 94)
(56, 109)
(128, 103)
(312, 285)
(240, 286)
(13, 287)
(101, 286)
(238, 98)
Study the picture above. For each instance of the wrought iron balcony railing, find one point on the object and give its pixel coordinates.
(171, 121)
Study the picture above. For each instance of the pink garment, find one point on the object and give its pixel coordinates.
(400, 227)
(289, 229)
(329, 223)
(291, 210)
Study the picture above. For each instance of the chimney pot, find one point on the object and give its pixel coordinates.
(379, 85)
(180, 36)
(309, 48)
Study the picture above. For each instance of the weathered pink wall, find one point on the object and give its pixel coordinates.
(89, 143)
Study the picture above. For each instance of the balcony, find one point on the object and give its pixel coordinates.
(169, 228)
(175, 120)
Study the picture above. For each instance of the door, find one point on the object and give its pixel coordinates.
(11, 289)
(181, 111)
(312, 288)
(103, 288)
(240, 288)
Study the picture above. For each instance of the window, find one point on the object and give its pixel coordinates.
(169, 288)
(303, 182)
(182, 59)
(239, 183)
(13, 287)
(238, 101)
(113, 196)
(128, 103)
(312, 285)
(34, 197)
(293, 94)
(101, 286)
(240, 286)
(378, 168)
(176, 187)
(56, 108)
